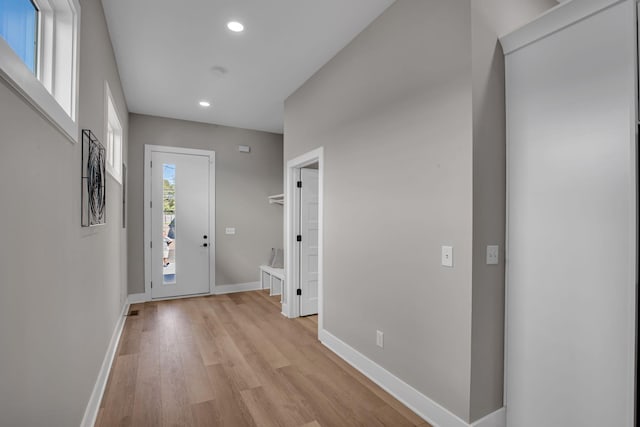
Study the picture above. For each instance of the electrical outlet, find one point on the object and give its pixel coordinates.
(380, 339)
(230, 230)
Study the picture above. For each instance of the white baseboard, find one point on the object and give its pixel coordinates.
(494, 419)
(93, 406)
(426, 408)
(137, 298)
(285, 310)
(240, 287)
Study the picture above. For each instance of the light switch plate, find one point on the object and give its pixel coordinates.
(493, 253)
(230, 230)
(447, 256)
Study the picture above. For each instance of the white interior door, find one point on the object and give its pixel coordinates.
(181, 241)
(309, 243)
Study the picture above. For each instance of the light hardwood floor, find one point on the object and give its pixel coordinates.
(234, 360)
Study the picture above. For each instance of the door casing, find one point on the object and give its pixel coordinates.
(290, 307)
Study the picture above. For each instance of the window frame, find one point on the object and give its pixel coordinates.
(53, 88)
(113, 135)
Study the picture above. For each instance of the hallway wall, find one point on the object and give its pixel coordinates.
(411, 118)
(62, 287)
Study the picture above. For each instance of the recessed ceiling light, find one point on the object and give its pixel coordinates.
(205, 104)
(235, 26)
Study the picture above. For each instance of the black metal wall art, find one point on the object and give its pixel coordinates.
(94, 194)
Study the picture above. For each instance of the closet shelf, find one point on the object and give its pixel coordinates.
(277, 199)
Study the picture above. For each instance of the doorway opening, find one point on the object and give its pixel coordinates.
(304, 199)
(179, 222)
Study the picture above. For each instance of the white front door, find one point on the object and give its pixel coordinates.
(181, 241)
(309, 243)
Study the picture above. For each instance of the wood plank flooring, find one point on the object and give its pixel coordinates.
(234, 360)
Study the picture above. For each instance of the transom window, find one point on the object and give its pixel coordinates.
(38, 56)
(19, 27)
(113, 137)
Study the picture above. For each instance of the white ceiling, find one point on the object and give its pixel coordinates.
(167, 50)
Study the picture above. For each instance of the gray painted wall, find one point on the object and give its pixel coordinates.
(410, 165)
(243, 183)
(62, 287)
(393, 111)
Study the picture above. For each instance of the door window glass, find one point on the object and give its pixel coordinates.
(169, 242)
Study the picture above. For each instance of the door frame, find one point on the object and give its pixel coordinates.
(291, 305)
(148, 149)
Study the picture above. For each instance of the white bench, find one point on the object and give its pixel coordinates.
(272, 278)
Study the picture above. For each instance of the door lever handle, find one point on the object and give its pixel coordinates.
(205, 245)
